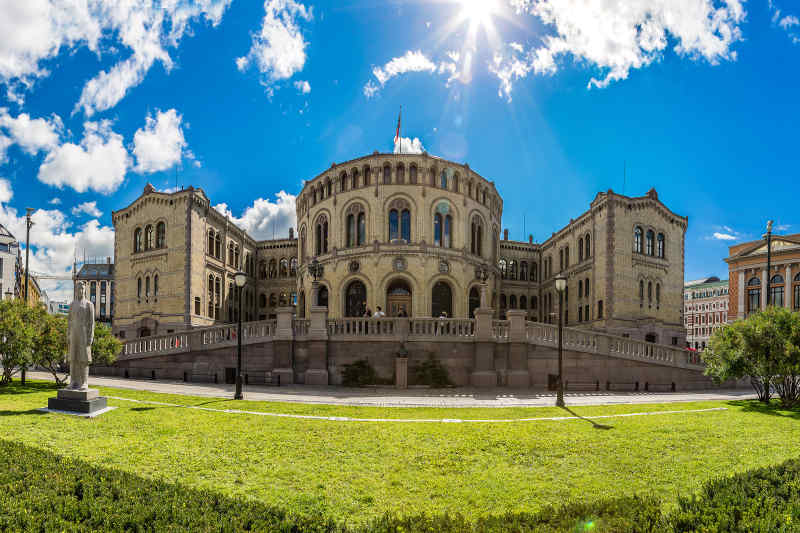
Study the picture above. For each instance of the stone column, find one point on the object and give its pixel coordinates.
(317, 345)
(483, 372)
(787, 291)
(518, 375)
(740, 296)
(282, 345)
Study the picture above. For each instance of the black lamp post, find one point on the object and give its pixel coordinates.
(240, 278)
(561, 284)
(316, 269)
(769, 258)
(482, 272)
(29, 223)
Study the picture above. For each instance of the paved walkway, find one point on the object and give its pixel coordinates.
(414, 397)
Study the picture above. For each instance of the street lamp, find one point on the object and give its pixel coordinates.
(316, 269)
(769, 256)
(240, 278)
(561, 284)
(482, 272)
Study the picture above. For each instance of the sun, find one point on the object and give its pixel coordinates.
(478, 12)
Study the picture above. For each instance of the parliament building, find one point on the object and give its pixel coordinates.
(403, 232)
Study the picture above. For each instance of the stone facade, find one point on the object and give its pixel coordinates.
(99, 279)
(705, 309)
(403, 232)
(9, 265)
(747, 267)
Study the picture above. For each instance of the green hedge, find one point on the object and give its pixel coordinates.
(42, 491)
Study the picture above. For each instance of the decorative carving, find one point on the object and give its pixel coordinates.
(354, 266)
(399, 264)
(444, 267)
(399, 204)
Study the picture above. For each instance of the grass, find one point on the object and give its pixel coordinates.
(357, 471)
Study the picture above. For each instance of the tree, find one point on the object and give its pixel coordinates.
(106, 347)
(50, 343)
(17, 332)
(764, 347)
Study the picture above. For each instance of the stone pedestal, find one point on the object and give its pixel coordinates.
(286, 375)
(78, 401)
(401, 372)
(484, 373)
(316, 376)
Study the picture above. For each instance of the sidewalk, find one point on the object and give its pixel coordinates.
(389, 397)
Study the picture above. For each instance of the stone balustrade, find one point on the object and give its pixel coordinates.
(500, 330)
(161, 344)
(300, 327)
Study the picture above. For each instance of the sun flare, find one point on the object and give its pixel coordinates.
(478, 12)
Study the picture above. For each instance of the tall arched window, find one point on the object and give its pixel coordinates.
(322, 235)
(512, 270)
(503, 266)
(218, 246)
(660, 247)
(534, 272)
(401, 174)
(284, 268)
(437, 229)
(387, 174)
(210, 296)
(367, 176)
(273, 269)
(149, 238)
(217, 297)
(776, 291)
(405, 225)
(580, 288)
(399, 220)
(362, 228)
(137, 240)
(293, 267)
(587, 242)
(447, 240)
(236, 256)
(412, 174)
(161, 235)
(273, 300)
(147, 287)
(650, 238)
(443, 179)
(637, 240)
(210, 242)
(523, 271)
(354, 178)
(303, 244)
(512, 301)
(351, 230)
(155, 286)
(650, 292)
(343, 182)
(641, 293)
(580, 250)
(139, 288)
(586, 288)
(658, 294)
(476, 240)
(329, 186)
(394, 225)
(441, 300)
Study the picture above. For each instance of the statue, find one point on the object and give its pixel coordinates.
(81, 336)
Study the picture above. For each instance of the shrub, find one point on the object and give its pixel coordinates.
(358, 374)
(431, 372)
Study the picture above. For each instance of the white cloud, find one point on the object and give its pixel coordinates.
(5, 142)
(160, 144)
(32, 135)
(411, 61)
(408, 146)
(278, 51)
(55, 201)
(54, 241)
(616, 36)
(724, 236)
(89, 208)
(302, 86)
(99, 163)
(266, 218)
(783, 227)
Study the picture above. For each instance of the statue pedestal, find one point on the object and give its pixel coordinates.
(85, 402)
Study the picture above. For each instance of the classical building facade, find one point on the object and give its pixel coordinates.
(752, 287)
(403, 232)
(705, 309)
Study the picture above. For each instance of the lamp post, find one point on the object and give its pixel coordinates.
(316, 269)
(769, 257)
(482, 274)
(29, 223)
(240, 278)
(561, 284)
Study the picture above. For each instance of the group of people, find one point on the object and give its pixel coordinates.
(380, 314)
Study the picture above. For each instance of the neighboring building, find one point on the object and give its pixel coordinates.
(747, 267)
(58, 307)
(35, 294)
(404, 232)
(99, 279)
(9, 264)
(705, 309)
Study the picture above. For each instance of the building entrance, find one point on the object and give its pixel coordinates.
(398, 299)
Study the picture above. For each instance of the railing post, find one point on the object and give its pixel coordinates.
(317, 346)
(483, 371)
(518, 375)
(282, 345)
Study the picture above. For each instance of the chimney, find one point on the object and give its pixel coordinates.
(530, 239)
(505, 234)
(291, 233)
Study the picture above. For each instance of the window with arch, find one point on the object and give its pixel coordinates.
(776, 291)
(355, 226)
(161, 235)
(476, 237)
(512, 301)
(354, 179)
(147, 288)
(262, 300)
(273, 300)
(442, 230)
(387, 174)
(303, 244)
(650, 238)
(137, 240)
(503, 266)
(523, 271)
(322, 235)
(455, 182)
(580, 250)
(512, 270)
(443, 179)
(273, 269)
(218, 246)
(329, 186)
(641, 293)
(210, 296)
(236, 262)
(586, 291)
(293, 267)
(534, 272)
(149, 238)
(503, 301)
(217, 297)
(210, 242)
(230, 253)
(523, 302)
(399, 220)
(283, 268)
(139, 289)
(637, 240)
(588, 248)
(650, 292)
(580, 288)
(343, 182)
(658, 294)
(660, 245)
(412, 174)
(367, 176)
(401, 174)
(155, 286)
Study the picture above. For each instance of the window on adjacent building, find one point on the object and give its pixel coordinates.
(650, 238)
(637, 240)
(660, 247)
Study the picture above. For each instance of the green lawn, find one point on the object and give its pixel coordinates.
(358, 470)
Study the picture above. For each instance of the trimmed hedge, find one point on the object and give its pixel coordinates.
(42, 491)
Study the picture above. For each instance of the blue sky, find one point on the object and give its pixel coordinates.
(550, 99)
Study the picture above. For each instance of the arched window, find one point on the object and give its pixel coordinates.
(210, 296)
(650, 292)
(503, 301)
(355, 299)
(447, 241)
(293, 267)
(412, 174)
(329, 186)
(443, 179)
(236, 262)
(217, 246)
(512, 301)
(523, 271)
(580, 288)
(230, 253)
(587, 242)
(147, 287)
(149, 239)
(441, 300)
(586, 288)
(503, 265)
(534, 272)
(351, 230)
(217, 297)
(210, 242)
(474, 301)
(366, 176)
(284, 268)
(797, 292)
(262, 300)
(512, 270)
(660, 247)
(641, 293)
(322, 235)
(405, 225)
(776, 291)
(476, 240)
(658, 294)
(362, 228)
(354, 178)
(137, 240)
(580, 250)
(523, 302)
(343, 182)
(637, 240)
(401, 174)
(650, 238)
(161, 235)
(155, 286)
(139, 288)
(322, 296)
(394, 225)
(387, 174)
(303, 244)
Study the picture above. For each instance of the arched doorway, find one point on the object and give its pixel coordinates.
(474, 301)
(322, 296)
(441, 300)
(398, 298)
(355, 300)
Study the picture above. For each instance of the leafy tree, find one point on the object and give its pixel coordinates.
(106, 347)
(50, 344)
(17, 333)
(764, 347)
